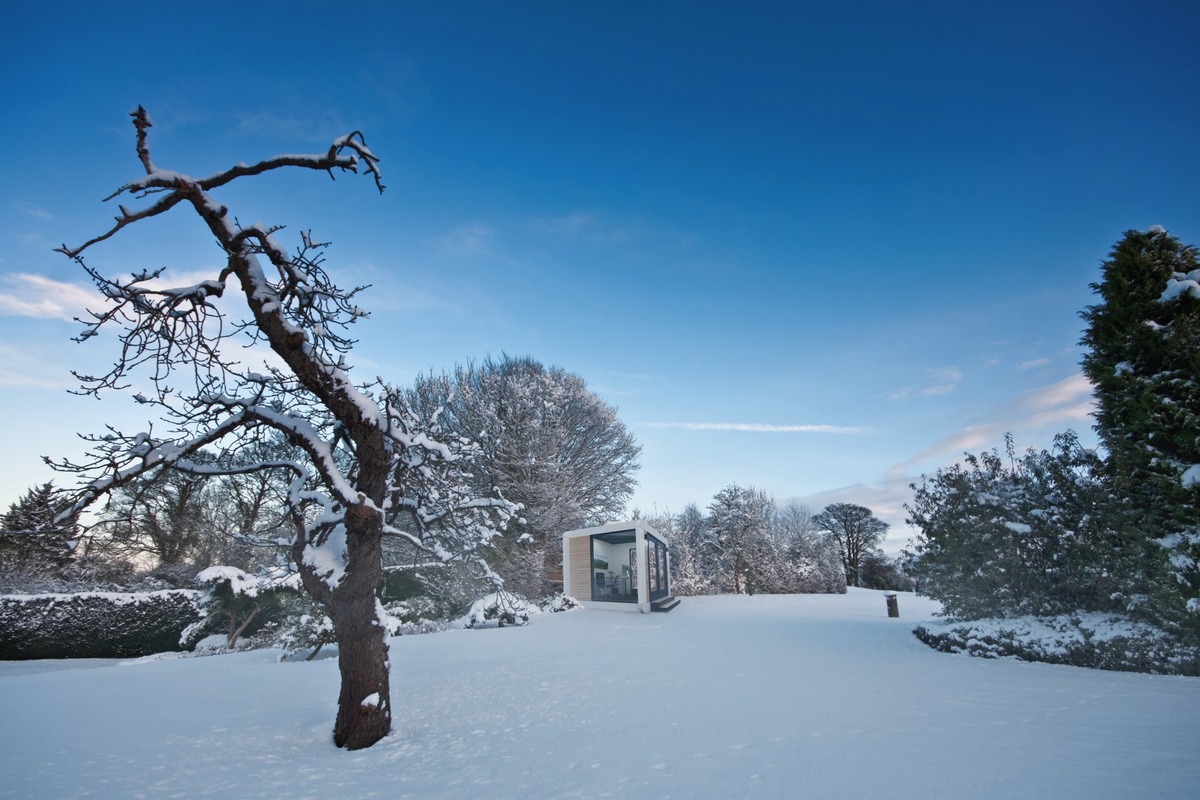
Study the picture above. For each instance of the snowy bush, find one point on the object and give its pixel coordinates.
(1033, 536)
(1095, 640)
(413, 609)
(233, 600)
(305, 628)
(560, 602)
(502, 608)
(95, 624)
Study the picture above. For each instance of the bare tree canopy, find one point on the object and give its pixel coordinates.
(548, 443)
(363, 458)
(855, 531)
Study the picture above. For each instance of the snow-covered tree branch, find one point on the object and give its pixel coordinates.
(257, 353)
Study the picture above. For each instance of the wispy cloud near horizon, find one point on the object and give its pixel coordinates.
(1032, 413)
(756, 427)
(942, 381)
(26, 295)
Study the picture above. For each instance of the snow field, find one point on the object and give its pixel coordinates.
(819, 696)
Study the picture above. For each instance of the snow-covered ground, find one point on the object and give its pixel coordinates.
(819, 696)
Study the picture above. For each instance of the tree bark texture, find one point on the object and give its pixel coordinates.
(364, 703)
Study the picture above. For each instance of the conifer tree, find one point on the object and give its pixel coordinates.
(33, 539)
(1143, 341)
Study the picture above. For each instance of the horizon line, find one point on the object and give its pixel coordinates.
(758, 427)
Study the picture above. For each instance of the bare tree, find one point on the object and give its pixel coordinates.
(855, 531)
(364, 458)
(166, 516)
(549, 443)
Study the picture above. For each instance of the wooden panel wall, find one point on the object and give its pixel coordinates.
(579, 562)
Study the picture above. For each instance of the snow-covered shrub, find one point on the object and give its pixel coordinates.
(503, 608)
(559, 602)
(413, 609)
(233, 600)
(94, 624)
(305, 628)
(1022, 535)
(1096, 640)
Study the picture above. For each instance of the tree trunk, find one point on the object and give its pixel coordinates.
(364, 704)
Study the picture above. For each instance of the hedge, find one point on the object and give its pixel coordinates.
(94, 624)
(1086, 639)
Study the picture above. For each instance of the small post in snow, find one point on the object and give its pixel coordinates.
(893, 604)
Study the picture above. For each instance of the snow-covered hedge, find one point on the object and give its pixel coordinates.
(1096, 640)
(94, 624)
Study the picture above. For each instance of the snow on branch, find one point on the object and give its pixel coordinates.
(182, 187)
(348, 457)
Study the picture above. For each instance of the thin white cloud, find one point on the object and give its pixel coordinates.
(469, 240)
(1032, 364)
(566, 225)
(30, 210)
(20, 368)
(23, 294)
(290, 127)
(582, 225)
(942, 381)
(755, 427)
(1067, 403)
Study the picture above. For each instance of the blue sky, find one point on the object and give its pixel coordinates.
(818, 248)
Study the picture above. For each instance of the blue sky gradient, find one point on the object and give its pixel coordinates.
(818, 248)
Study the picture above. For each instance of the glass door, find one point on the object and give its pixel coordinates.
(656, 561)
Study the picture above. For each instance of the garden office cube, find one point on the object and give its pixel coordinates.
(622, 566)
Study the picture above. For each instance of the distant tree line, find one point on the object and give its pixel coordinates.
(545, 443)
(748, 544)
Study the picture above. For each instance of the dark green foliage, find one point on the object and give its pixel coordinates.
(400, 584)
(96, 625)
(31, 538)
(1144, 360)
(1143, 341)
(1073, 640)
(877, 571)
(236, 604)
(1030, 536)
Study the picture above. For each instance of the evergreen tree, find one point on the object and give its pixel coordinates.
(691, 572)
(1143, 341)
(33, 541)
